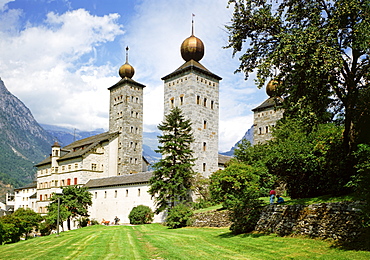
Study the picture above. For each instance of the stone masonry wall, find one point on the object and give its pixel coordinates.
(339, 221)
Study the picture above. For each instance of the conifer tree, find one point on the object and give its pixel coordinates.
(173, 174)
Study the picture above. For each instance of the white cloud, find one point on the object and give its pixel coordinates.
(61, 68)
(45, 66)
(3, 4)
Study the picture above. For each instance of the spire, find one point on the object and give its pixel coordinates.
(192, 24)
(127, 54)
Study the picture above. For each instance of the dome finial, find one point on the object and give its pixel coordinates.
(192, 24)
(126, 70)
(192, 48)
(127, 54)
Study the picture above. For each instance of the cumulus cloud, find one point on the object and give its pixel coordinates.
(51, 67)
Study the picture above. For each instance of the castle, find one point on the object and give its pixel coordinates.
(111, 164)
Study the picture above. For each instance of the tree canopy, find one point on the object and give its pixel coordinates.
(172, 177)
(73, 203)
(318, 51)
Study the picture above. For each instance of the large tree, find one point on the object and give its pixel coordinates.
(73, 203)
(173, 174)
(318, 51)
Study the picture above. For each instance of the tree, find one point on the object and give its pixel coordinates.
(237, 187)
(318, 51)
(310, 163)
(172, 177)
(30, 220)
(73, 203)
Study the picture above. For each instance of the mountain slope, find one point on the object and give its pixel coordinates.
(23, 142)
(248, 136)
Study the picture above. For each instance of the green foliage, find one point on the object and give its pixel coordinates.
(236, 182)
(317, 50)
(73, 203)
(237, 187)
(21, 222)
(244, 215)
(257, 157)
(179, 216)
(83, 221)
(173, 174)
(141, 215)
(310, 163)
(361, 180)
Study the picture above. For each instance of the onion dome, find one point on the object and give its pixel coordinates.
(271, 88)
(192, 48)
(126, 70)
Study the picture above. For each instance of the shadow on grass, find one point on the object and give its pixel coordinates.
(252, 235)
(361, 243)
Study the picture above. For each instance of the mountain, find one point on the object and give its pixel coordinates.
(248, 136)
(23, 142)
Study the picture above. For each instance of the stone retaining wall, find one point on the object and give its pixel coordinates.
(339, 221)
(212, 218)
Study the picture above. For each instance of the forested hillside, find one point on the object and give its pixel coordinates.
(23, 142)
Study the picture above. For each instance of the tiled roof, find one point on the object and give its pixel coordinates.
(80, 147)
(191, 65)
(120, 180)
(28, 186)
(127, 80)
(270, 102)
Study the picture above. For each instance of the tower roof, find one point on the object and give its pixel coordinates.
(126, 70)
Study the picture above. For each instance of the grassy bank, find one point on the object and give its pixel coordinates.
(158, 242)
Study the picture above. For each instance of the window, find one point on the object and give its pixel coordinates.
(75, 181)
(62, 184)
(205, 124)
(105, 194)
(93, 166)
(204, 167)
(115, 194)
(204, 146)
(76, 165)
(126, 193)
(260, 130)
(40, 197)
(138, 192)
(96, 195)
(172, 103)
(198, 100)
(267, 129)
(68, 182)
(212, 102)
(181, 101)
(205, 102)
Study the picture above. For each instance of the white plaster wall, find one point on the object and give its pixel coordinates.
(110, 202)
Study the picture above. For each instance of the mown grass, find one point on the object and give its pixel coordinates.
(158, 242)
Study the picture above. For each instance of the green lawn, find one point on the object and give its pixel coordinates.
(158, 242)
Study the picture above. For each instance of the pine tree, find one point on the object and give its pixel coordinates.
(173, 174)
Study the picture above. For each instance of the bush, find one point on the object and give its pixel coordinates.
(179, 216)
(245, 215)
(141, 215)
(82, 222)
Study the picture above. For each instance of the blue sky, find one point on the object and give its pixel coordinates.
(59, 57)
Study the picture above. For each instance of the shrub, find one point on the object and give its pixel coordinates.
(179, 216)
(141, 215)
(245, 215)
(82, 222)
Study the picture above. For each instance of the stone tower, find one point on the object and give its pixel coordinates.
(195, 90)
(126, 118)
(267, 114)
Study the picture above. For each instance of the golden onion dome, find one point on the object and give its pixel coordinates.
(271, 88)
(192, 48)
(126, 70)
